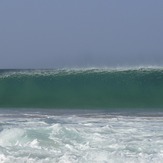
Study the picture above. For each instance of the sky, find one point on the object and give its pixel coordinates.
(80, 33)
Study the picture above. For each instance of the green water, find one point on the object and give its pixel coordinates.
(88, 88)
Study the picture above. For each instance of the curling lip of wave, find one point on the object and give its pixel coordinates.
(68, 71)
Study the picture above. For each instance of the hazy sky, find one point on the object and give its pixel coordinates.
(79, 33)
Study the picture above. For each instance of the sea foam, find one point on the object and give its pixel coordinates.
(40, 137)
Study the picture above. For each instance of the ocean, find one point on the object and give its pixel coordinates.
(91, 115)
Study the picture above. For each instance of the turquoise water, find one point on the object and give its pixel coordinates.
(82, 88)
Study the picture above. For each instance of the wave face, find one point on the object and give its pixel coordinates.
(82, 88)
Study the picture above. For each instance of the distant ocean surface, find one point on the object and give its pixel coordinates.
(81, 115)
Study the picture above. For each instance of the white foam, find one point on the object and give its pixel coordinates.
(68, 71)
(9, 137)
(93, 139)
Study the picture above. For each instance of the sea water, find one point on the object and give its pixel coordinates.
(80, 136)
(113, 115)
(82, 88)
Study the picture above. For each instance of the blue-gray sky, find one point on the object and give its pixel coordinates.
(73, 33)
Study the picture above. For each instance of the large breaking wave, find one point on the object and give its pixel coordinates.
(82, 88)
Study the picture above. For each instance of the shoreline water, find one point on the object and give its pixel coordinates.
(79, 112)
(48, 136)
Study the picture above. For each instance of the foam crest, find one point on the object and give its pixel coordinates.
(72, 71)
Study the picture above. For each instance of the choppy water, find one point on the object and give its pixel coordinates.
(71, 136)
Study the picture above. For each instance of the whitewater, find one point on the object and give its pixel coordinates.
(80, 136)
